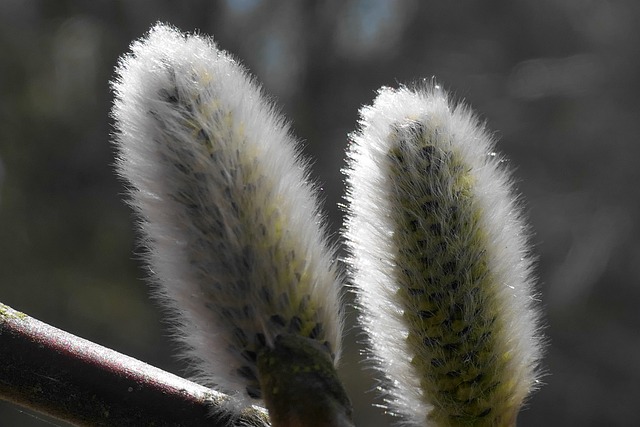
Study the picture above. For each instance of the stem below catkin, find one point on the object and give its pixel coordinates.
(300, 385)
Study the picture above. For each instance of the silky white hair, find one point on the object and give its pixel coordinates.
(440, 262)
(235, 239)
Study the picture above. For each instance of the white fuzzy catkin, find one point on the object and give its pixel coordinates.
(232, 225)
(440, 262)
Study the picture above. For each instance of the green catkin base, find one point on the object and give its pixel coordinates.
(300, 385)
(445, 284)
(290, 310)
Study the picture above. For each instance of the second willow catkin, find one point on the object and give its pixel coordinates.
(440, 262)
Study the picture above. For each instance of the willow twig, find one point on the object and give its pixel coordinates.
(56, 373)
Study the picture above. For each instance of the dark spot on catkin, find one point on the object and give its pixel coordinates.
(260, 340)
(450, 347)
(247, 373)
(240, 336)
(295, 324)
(278, 320)
(316, 331)
(426, 314)
(250, 356)
(254, 392)
(414, 292)
(266, 294)
(437, 363)
(484, 413)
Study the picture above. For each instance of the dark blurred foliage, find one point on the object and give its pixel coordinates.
(557, 79)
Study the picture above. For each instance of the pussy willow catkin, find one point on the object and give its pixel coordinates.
(440, 262)
(232, 226)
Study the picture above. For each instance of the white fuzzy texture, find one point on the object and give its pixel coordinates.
(370, 230)
(232, 226)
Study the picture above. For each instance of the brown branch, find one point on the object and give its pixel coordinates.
(75, 380)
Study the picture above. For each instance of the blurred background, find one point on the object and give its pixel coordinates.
(558, 81)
